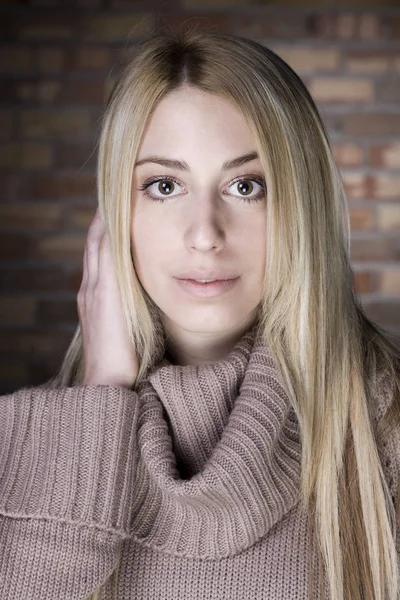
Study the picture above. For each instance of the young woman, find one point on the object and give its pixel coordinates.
(225, 423)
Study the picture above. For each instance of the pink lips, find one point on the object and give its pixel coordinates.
(207, 290)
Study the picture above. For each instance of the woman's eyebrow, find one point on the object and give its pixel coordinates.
(183, 166)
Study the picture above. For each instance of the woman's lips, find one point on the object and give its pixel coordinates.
(207, 290)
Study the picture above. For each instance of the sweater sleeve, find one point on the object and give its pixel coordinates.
(67, 464)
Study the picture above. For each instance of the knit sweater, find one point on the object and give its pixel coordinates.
(193, 479)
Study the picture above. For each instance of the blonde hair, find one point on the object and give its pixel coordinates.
(333, 359)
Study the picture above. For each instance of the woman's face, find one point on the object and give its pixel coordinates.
(207, 220)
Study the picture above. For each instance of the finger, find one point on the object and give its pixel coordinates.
(95, 235)
(96, 228)
(107, 274)
(84, 269)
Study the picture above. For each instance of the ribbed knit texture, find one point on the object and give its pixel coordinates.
(194, 479)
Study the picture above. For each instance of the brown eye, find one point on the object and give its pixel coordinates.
(245, 187)
(166, 186)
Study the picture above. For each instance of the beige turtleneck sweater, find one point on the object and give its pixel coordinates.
(194, 479)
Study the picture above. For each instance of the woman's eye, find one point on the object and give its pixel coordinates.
(166, 186)
(163, 186)
(246, 187)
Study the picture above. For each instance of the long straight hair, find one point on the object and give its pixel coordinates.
(334, 361)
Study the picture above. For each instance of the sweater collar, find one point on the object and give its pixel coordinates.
(198, 401)
(222, 456)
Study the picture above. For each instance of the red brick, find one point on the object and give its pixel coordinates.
(308, 59)
(36, 155)
(389, 282)
(39, 343)
(393, 24)
(13, 373)
(8, 92)
(46, 27)
(347, 154)
(26, 156)
(72, 154)
(369, 61)
(369, 123)
(120, 55)
(9, 26)
(75, 279)
(42, 93)
(63, 185)
(45, 367)
(396, 63)
(386, 186)
(6, 123)
(386, 313)
(57, 311)
(62, 247)
(388, 91)
(335, 89)
(15, 246)
(15, 185)
(381, 186)
(34, 279)
(87, 58)
(68, 3)
(388, 216)
(17, 310)
(363, 282)
(32, 216)
(196, 4)
(80, 217)
(8, 95)
(109, 84)
(385, 155)
(361, 219)
(67, 122)
(220, 20)
(375, 248)
(90, 3)
(115, 27)
(87, 93)
(139, 4)
(349, 26)
(51, 60)
(287, 25)
(15, 60)
(356, 184)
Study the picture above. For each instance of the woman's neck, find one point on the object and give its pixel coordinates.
(185, 347)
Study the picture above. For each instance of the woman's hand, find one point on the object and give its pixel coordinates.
(109, 356)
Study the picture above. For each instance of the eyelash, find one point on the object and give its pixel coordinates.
(259, 180)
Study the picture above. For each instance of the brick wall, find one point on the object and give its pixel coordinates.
(57, 63)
